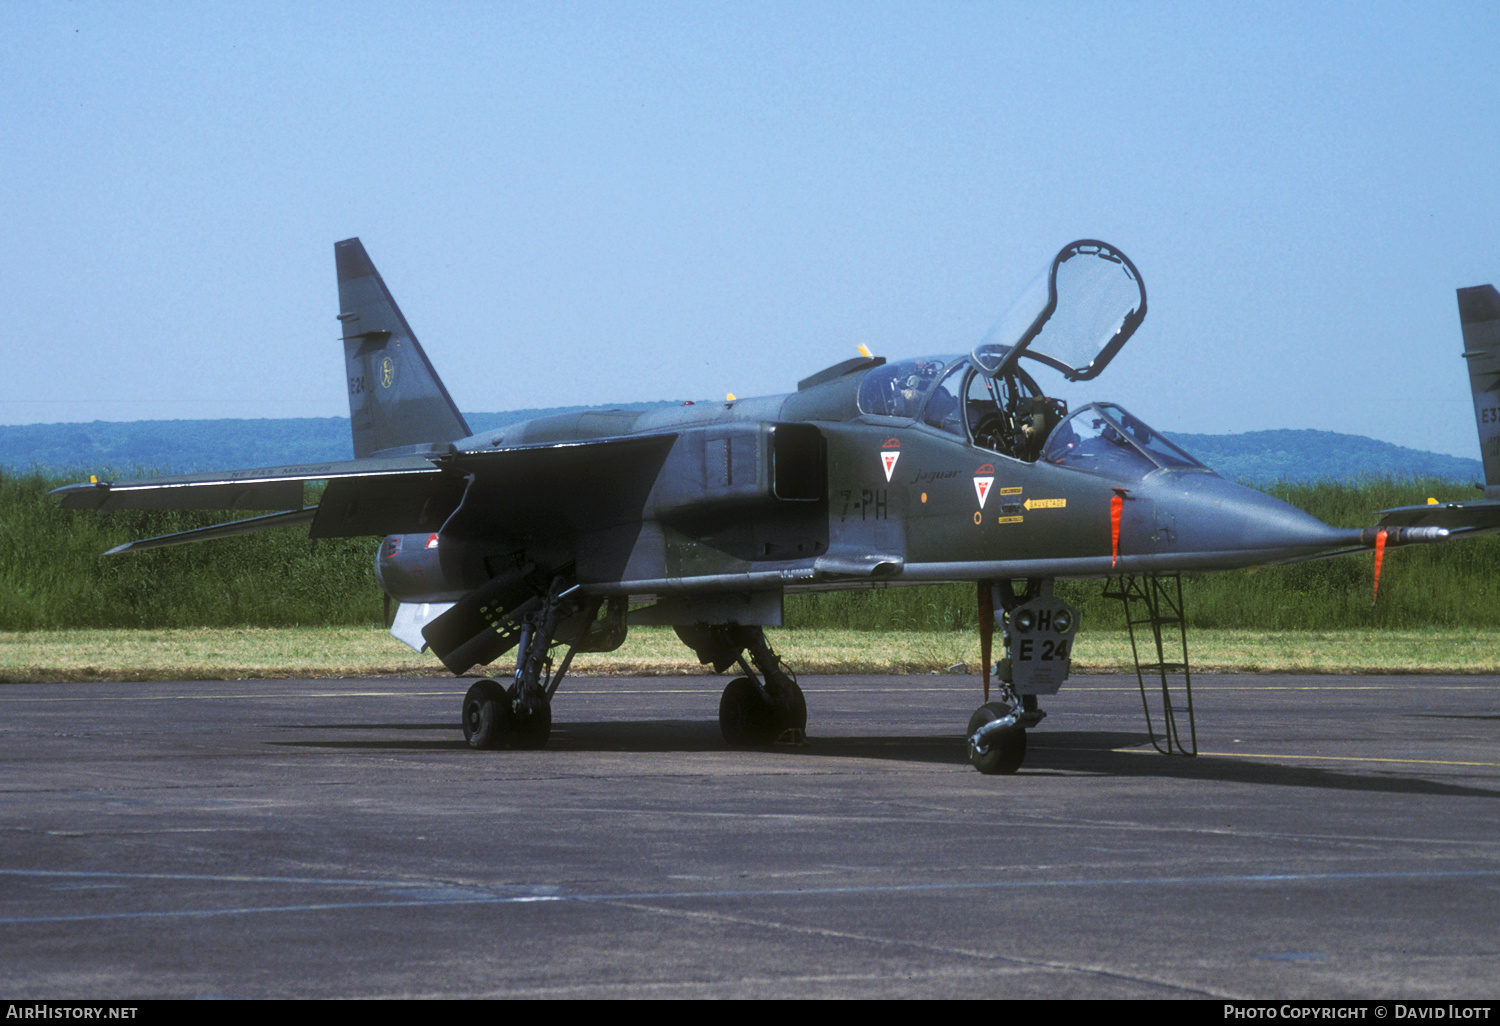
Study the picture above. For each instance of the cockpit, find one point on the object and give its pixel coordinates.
(1008, 415)
(1074, 318)
(901, 389)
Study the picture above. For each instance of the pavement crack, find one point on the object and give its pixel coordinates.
(1048, 965)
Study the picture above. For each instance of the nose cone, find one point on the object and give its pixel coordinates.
(1218, 524)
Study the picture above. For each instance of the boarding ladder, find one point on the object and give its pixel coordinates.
(1155, 600)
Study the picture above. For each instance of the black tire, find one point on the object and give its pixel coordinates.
(790, 710)
(1007, 749)
(487, 716)
(744, 717)
(529, 730)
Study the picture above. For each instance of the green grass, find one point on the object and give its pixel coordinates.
(53, 577)
(53, 574)
(227, 654)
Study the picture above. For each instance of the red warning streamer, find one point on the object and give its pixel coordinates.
(1116, 507)
(1379, 555)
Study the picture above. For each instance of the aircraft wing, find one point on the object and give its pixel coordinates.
(502, 494)
(277, 488)
(1482, 516)
(1479, 315)
(560, 488)
(249, 525)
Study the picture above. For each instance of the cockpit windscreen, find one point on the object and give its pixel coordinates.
(1105, 438)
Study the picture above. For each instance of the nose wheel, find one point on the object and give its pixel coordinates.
(997, 743)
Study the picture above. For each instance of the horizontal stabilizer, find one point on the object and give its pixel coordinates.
(233, 529)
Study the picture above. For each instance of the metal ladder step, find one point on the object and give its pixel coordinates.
(1156, 601)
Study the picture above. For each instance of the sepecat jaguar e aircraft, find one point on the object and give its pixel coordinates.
(552, 536)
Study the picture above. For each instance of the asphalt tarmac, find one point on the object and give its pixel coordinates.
(1335, 838)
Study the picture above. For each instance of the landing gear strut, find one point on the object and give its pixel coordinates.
(754, 709)
(494, 717)
(520, 715)
(1038, 636)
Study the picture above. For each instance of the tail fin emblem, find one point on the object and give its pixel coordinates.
(387, 372)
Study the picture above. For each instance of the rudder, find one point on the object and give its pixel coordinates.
(396, 400)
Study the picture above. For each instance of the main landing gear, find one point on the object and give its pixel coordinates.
(754, 710)
(520, 715)
(762, 707)
(492, 720)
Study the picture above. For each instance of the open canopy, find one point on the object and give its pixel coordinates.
(1073, 317)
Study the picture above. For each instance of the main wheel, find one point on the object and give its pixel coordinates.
(1007, 748)
(529, 730)
(487, 715)
(790, 710)
(744, 717)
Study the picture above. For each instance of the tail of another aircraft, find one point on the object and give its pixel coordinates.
(397, 403)
(1479, 312)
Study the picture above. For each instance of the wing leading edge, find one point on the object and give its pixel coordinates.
(276, 488)
(491, 494)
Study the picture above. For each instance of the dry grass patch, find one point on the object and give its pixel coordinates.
(226, 654)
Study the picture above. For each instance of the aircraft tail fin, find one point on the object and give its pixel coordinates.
(396, 400)
(1479, 313)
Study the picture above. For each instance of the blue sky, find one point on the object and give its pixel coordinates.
(605, 202)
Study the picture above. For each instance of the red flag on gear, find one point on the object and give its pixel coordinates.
(1379, 556)
(1116, 507)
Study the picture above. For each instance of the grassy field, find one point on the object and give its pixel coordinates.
(276, 605)
(235, 653)
(52, 577)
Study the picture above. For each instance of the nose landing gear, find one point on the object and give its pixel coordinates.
(997, 741)
(1039, 630)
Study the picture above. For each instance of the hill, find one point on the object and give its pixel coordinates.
(1261, 457)
(165, 446)
(182, 446)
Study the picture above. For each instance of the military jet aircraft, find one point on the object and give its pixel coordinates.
(558, 533)
(1479, 316)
